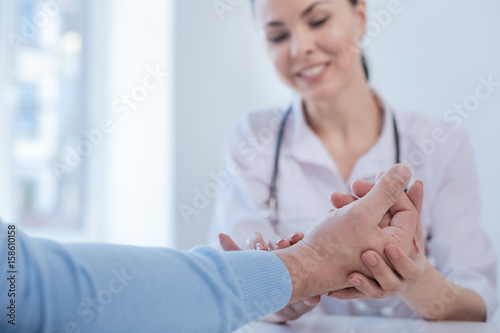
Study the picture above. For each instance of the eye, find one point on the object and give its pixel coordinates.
(319, 22)
(278, 38)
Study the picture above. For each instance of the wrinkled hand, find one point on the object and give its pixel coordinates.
(408, 268)
(256, 242)
(332, 247)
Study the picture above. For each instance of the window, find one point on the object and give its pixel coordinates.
(45, 82)
(62, 66)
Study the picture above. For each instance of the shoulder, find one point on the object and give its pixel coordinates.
(415, 125)
(428, 139)
(438, 152)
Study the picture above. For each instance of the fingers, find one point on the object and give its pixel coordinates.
(227, 243)
(256, 242)
(389, 282)
(416, 195)
(278, 243)
(313, 301)
(293, 311)
(340, 200)
(300, 308)
(410, 267)
(281, 242)
(296, 237)
(367, 287)
(386, 192)
(386, 282)
(347, 293)
(360, 188)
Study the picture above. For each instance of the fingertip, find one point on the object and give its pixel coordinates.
(313, 301)
(392, 252)
(295, 237)
(370, 258)
(282, 243)
(260, 246)
(355, 280)
(402, 171)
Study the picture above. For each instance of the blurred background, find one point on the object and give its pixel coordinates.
(113, 112)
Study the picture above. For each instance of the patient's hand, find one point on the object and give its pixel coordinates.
(256, 242)
(408, 267)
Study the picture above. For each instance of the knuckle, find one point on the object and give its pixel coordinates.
(393, 287)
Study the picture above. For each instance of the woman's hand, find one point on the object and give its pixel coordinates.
(408, 269)
(256, 242)
(386, 283)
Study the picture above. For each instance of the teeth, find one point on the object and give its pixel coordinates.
(313, 71)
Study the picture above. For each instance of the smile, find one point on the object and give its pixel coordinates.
(314, 71)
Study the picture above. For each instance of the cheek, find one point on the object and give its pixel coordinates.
(281, 61)
(337, 42)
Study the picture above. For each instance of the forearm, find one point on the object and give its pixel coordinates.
(90, 287)
(433, 297)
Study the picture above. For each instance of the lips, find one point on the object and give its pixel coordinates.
(313, 71)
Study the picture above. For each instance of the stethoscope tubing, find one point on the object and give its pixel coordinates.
(269, 211)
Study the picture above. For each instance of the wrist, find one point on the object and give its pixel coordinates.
(302, 266)
(310, 272)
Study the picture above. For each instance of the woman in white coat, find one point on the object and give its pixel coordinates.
(338, 129)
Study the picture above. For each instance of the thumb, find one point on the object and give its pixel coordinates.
(386, 192)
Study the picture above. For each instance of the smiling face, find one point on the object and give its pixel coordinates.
(313, 44)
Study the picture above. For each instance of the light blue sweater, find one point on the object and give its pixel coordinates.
(74, 288)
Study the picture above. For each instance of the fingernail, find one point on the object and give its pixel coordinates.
(355, 281)
(370, 259)
(392, 252)
(259, 246)
(280, 242)
(419, 181)
(333, 294)
(402, 171)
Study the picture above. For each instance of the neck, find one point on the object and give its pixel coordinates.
(350, 114)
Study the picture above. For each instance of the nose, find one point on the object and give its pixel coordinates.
(302, 44)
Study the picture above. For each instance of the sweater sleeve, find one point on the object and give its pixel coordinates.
(52, 287)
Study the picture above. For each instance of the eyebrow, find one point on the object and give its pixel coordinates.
(305, 13)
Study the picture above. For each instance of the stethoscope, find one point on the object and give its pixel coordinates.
(269, 209)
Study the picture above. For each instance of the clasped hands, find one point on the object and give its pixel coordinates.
(370, 246)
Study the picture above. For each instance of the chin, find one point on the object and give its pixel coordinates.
(320, 93)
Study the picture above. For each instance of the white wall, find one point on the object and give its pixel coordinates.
(139, 167)
(220, 71)
(426, 59)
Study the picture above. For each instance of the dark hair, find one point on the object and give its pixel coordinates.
(363, 58)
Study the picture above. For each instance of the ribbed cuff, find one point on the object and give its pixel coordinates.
(264, 279)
